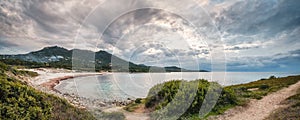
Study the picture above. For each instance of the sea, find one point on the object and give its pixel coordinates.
(123, 86)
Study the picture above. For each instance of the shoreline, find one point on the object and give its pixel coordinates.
(55, 81)
(49, 78)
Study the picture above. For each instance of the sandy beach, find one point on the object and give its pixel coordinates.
(51, 76)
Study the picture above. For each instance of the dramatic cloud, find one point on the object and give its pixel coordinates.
(255, 35)
(288, 62)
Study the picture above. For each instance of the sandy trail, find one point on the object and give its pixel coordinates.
(129, 115)
(260, 109)
(136, 116)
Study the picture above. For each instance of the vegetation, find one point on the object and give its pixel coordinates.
(136, 104)
(288, 113)
(19, 101)
(178, 92)
(138, 100)
(58, 57)
(112, 116)
(260, 88)
(26, 64)
(67, 64)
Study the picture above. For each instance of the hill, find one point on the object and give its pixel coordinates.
(166, 99)
(60, 57)
(20, 101)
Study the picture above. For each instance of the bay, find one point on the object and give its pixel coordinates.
(121, 86)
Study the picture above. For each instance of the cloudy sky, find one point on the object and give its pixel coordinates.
(243, 35)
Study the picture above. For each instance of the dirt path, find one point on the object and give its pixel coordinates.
(260, 109)
(129, 115)
(136, 116)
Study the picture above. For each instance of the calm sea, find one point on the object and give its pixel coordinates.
(120, 86)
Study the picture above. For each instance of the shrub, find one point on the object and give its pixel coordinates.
(264, 86)
(180, 92)
(19, 101)
(272, 77)
(113, 116)
(138, 100)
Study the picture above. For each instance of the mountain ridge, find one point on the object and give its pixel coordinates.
(59, 57)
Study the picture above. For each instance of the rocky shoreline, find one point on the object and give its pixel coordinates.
(83, 102)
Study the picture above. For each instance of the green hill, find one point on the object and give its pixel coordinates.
(20, 101)
(171, 97)
(59, 57)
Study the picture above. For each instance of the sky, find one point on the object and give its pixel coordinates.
(231, 35)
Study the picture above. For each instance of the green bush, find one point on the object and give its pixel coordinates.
(138, 100)
(180, 92)
(177, 92)
(19, 101)
(263, 87)
(112, 116)
(272, 77)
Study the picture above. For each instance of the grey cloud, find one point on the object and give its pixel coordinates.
(275, 62)
(32, 24)
(256, 16)
(43, 18)
(46, 22)
(4, 43)
(133, 20)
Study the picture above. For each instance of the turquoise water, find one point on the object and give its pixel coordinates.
(120, 86)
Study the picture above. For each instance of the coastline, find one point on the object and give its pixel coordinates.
(55, 81)
(48, 78)
(45, 75)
